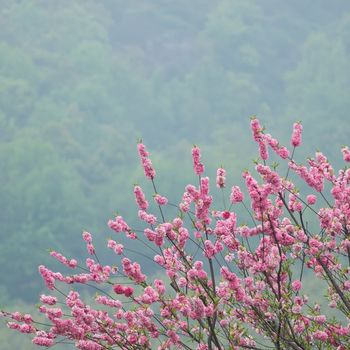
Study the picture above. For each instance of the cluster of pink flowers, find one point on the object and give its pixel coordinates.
(236, 195)
(197, 165)
(88, 239)
(116, 247)
(140, 198)
(120, 289)
(220, 178)
(48, 299)
(346, 153)
(231, 281)
(265, 140)
(160, 200)
(296, 135)
(119, 225)
(146, 162)
(72, 263)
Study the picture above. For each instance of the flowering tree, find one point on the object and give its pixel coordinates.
(230, 285)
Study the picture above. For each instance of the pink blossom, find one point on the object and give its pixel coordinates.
(160, 200)
(160, 286)
(88, 345)
(140, 198)
(311, 199)
(296, 134)
(146, 162)
(26, 328)
(276, 147)
(149, 218)
(48, 277)
(90, 248)
(48, 299)
(346, 153)
(220, 178)
(128, 291)
(104, 300)
(133, 270)
(320, 335)
(236, 195)
(186, 202)
(196, 157)
(119, 225)
(296, 285)
(116, 247)
(87, 237)
(264, 154)
(256, 129)
(72, 263)
(119, 289)
(42, 341)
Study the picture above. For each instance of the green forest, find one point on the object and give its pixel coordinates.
(82, 81)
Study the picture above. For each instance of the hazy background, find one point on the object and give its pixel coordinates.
(82, 81)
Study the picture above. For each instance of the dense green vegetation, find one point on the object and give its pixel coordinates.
(81, 81)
